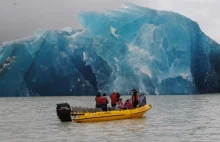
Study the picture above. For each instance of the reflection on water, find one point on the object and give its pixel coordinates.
(171, 119)
(113, 130)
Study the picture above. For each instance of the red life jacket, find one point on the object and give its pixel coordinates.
(103, 100)
(98, 100)
(120, 104)
(114, 98)
(122, 107)
(128, 105)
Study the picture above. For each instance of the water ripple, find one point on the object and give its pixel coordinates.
(172, 119)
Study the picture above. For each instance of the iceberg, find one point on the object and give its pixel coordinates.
(155, 52)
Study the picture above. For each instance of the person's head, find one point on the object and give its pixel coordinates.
(98, 94)
(120, 99)
(104, 94)
(133, 90)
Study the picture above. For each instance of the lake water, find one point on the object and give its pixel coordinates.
(171, 119)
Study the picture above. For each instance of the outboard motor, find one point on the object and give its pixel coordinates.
(63, 112)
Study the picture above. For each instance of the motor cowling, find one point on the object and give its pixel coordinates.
(63, 112)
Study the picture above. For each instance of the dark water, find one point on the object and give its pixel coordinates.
(172, 119)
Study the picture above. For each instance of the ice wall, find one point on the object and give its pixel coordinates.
(156, 52)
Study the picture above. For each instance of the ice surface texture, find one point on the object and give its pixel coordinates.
(156, 52)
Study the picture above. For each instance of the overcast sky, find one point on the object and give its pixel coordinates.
(20, 18)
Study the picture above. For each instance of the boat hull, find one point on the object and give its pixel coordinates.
(113, 115)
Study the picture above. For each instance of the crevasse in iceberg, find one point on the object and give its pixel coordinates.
(156, 52)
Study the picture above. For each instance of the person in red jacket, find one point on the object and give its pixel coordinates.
(104, 102)
(128, 104)
(98, 100)
(120, 105)
(114, 98)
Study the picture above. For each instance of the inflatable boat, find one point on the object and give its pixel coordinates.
(65, 113)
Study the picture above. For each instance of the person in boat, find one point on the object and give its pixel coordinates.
(119, 104)
(98, 100)
(142, 100)
(135, 98)
(104, 102)
(128, 104)
(114, 98)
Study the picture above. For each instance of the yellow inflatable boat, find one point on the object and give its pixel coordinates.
(65, 114)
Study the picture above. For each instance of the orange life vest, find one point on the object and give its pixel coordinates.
(98, 100)
(135, 98)
(113, 98)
